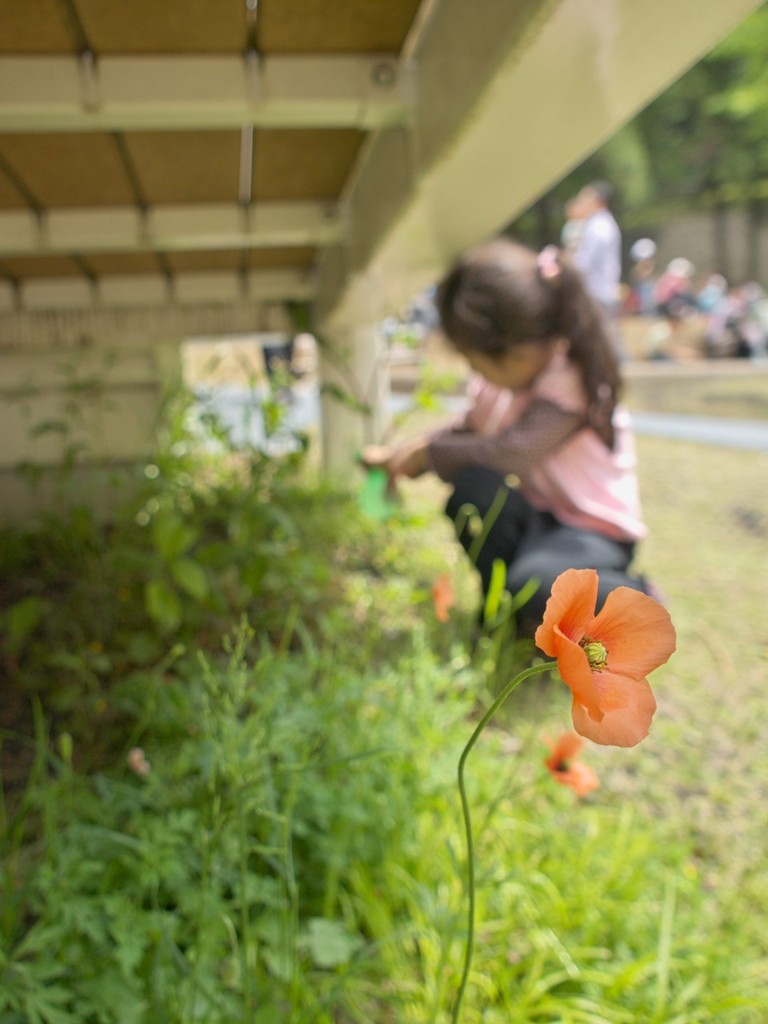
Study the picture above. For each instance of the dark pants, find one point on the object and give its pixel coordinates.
(533, 545)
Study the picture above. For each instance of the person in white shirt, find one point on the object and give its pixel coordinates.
(597, 254)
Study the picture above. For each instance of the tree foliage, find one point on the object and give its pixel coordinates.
(701, 144)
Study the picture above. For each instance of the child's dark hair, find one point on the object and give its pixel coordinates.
(503, 293)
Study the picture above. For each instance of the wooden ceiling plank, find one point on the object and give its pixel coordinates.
(141, 26)
(308, 164)
(45, 265)
(67, 169)
(296, 256)
(185, 167)
(208, 26)
(42, 94)
(11, 195)
(112, 263)
(315, 26)
(203, 260)
(39, 27)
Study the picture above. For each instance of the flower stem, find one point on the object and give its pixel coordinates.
(470, 944)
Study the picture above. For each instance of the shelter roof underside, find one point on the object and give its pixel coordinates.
(250, 152)
(153, 140)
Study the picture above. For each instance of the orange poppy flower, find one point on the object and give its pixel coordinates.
(605, 658)
(569, 772)
(443, 596)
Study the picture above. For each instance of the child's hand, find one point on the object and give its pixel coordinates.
(375, 455)
(409, 459)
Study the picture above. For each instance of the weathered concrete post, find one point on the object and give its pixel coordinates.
(354, 378)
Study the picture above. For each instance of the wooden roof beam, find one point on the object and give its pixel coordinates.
(149, 93)
(219, 289)
(174, 228)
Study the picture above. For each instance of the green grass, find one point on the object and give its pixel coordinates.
(708, 513)
(702, 775)
(730, 390)
(296, 851)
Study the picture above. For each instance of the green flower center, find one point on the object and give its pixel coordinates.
(596, 653)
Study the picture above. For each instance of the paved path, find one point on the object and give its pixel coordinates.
(729, 433)
(238, 408)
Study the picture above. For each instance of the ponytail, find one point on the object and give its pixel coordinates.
(582, 321)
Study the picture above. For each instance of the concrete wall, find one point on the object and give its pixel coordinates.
(75, 424)
(694, 236)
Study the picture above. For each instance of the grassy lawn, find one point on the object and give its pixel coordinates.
(704, 768)
(734, 390)
(707, 512)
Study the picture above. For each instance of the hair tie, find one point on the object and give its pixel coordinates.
(549, 268)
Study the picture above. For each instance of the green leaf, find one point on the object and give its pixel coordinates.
(191, 577)
(142, 648)
(23, 619)
(344, 398)
(130, 942)
(172, 535)
(279, 962)
(269, 1014)
(49, 427)
(38, 939)
(329, 943)
(495, 589)
(163, 605)
(46, 1005)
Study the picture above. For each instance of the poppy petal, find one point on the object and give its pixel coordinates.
(628, 706)
(636, 630)
(443, 597)
(581, 778)
(571, 607)
(568, 772)
(566, 747)
(576, 674)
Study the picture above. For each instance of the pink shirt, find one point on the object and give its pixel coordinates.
(582, 482)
